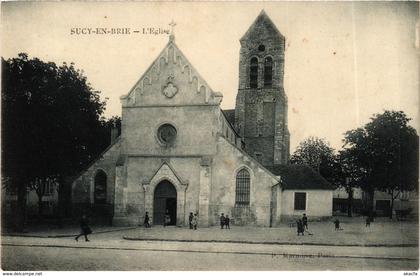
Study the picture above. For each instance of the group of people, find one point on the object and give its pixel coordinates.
(224, 221)
(302, 225)
(193, 220)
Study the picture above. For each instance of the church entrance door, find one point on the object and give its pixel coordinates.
(164, 200)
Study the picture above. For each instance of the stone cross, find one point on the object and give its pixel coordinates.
(172, 24)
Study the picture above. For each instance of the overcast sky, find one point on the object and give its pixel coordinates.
(344, 61)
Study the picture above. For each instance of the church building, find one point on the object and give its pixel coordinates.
(180, 153)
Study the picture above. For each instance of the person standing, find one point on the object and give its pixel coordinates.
(299, 226)
(305, 221)
(85, 229)
(222, 221)
(367, 221)
(195, 221)
(146, 220)
(227, 222)
(190, 218)
(337, 224)
(166, 219)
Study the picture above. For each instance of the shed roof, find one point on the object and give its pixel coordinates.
(300, 177)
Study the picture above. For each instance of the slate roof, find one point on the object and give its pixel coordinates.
(230, 116)
(300, 177)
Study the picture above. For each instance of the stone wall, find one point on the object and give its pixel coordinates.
(83, 186)
(318, 204)
(261, 112)
(226, 163)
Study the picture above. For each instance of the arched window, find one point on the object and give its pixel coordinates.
(242, 187)
(253, 73)
(100, 188)
(268, 72)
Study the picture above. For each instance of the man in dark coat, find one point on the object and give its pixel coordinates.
(299, 226)
(146, 220)
(367, 221)
(85, 229)
(190, 218)
(222, 221)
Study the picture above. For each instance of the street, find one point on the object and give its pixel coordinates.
(110, 252)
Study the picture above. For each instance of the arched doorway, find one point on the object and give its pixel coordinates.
(164, 199)
(99, 195)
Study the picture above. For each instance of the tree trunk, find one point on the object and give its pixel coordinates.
(371, 204)
(40, 206)
(62, 202)
(350, 202)
(392, 206)
(21, 207)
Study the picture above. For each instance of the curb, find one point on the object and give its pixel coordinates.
(270, 243)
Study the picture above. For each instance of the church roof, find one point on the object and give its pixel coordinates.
(262, 20)
(300, 177)
(230, 115)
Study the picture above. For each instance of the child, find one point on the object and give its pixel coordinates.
(367, 221)
(195, 221)
(305, 221)
(337, 225)
(227, 222)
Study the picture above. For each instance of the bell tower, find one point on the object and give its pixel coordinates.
(261, 103)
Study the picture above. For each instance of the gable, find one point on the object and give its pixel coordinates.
(166, 172)
(171, 80)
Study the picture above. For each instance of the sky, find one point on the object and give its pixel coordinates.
(344, 61)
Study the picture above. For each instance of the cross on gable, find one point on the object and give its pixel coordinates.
(172, 24)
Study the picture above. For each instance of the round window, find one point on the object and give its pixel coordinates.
(261, 48)
(167, 134)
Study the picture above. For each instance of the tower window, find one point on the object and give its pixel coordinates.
(268, 72)
(261, 48)
(253, 73)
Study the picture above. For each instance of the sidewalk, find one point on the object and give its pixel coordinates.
(382, 233)
(354, 233)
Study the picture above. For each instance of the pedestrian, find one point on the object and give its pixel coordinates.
(222, 221)
(367, 221)
(195, 221)
(146, 220)
(305, 221)
(227, 222)
(190, 218)
(84, 228)
(337, 225)
(166, 219)
(299, 226)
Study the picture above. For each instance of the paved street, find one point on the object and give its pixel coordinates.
(53, 258)
(109, 251)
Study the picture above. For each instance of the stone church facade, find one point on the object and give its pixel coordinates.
(179, 152)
